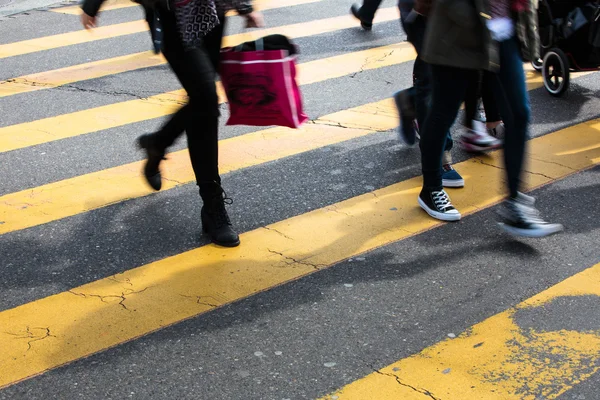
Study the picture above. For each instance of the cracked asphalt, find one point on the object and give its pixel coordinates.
(305, 338)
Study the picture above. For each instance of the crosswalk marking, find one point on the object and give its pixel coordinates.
(54, 201)
(95, 119)
(77, 73)
(129, 28)
(111, 66)
(259, 5)
(84, 193)
(57, 200)
(50, 332)
(71, 38)
(499, 358)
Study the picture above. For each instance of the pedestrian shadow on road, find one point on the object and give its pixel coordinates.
(201, 286)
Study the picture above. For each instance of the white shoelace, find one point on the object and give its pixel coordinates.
(441, 200)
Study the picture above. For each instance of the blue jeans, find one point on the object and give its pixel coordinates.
(449, 89)
(421, 90)
(513, 102)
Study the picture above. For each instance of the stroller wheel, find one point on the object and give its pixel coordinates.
(537, 64)
(555, 71)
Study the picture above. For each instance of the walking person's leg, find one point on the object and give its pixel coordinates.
(476, 137)
(518, 213)
(448, 92)
(196, 70)
(493, 120)
(366, 13)
(413, 103)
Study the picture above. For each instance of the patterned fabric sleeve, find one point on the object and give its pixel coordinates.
(195, 18)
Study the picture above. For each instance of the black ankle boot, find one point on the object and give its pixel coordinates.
(154, 156)
(215, 220)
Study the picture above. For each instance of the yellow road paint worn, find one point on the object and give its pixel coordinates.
(95, 119)
(92, 70)
(50, 332)
(73, 196)
(497, 358)
(128, 28)
(71, 38)
(97, 69)
(259, 5)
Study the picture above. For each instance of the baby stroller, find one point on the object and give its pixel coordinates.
(570, 41)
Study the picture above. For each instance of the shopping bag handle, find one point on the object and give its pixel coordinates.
(259, 45)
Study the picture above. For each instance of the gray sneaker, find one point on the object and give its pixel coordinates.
(519, 217)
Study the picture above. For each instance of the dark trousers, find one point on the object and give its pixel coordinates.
(481, 88)
(415, 32)
(449, 89)
(196, 70)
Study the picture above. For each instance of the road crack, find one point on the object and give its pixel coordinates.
(202, 302)
(295, 261)
(331, 123)
(29, 334)
(555, 163)
(397, 378)
(526, 171)
(276, 231)
(367, 62)
(335, 209)
(122, 296)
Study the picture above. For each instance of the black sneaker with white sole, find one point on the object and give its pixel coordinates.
(437, 204)
(519, 217)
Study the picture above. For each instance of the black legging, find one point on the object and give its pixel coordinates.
(481, 88)
(196, 70)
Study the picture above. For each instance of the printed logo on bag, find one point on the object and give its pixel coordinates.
(253, 93)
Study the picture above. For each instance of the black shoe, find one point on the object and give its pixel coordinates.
(519, 217)
(406, 111)
(355, 10)
(216, 222)
(154, 156)
(437, 204)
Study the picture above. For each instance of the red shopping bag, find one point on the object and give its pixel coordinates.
(261, 87)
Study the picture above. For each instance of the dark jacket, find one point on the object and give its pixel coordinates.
(423, 7)
(457, 35)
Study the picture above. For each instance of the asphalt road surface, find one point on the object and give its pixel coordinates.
(342, 287)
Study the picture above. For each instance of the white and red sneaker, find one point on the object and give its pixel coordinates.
(477, 139)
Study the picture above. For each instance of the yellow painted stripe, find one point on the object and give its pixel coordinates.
(95, 119)
(88, 192)
(91, 70)
(97, 69)
(71, 38)
(259, 5)
(496, 359)
(84, 193)
(100, 33)
(64, 327)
